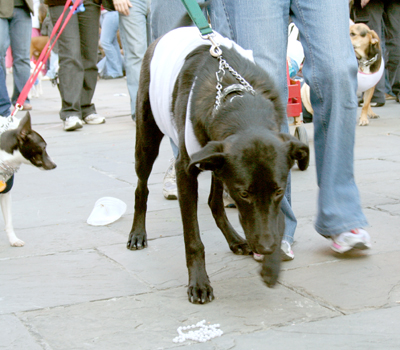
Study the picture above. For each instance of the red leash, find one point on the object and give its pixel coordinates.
(44, 55)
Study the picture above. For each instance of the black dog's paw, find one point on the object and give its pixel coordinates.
(200, 293)
(137, 241)
(241, 248)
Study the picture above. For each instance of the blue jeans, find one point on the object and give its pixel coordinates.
(5, 103)
(133, 31)
(53, 69)
(330, 69)
(111, 66)
(16, 31)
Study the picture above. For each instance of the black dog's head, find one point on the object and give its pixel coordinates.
(29, 143)
(254, 167)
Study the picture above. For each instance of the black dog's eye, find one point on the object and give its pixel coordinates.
(279, 192)
(244, 194)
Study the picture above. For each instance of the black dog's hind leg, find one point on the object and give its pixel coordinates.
(199, 288)
(236, 243)
(148, 139)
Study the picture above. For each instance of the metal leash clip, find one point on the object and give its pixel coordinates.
(215, 50)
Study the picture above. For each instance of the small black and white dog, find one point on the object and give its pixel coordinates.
(225, 114)
(19, 144)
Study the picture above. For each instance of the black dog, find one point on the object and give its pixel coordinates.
(240, 143)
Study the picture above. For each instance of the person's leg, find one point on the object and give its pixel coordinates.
(109, 43)
(247, 23)
(89, 23)
(133, 32)
(330, 69)
(71, 68)
(372, 15)
(4, 42)
(392, 24)
(165, 16)
(5, 103)
(20, 40)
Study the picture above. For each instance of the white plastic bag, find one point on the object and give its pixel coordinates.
(106, 210)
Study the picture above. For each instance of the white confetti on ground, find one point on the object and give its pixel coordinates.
(202, 334)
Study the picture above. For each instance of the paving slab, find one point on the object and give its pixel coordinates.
(76, 286)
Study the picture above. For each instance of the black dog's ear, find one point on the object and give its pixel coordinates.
(297, 150)
(210, 157)
(25, 127)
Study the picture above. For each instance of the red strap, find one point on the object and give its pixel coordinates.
(45, 55)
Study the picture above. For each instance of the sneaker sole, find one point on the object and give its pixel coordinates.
(170, 196)
(95, 123)
(359, 246)
(73, 127)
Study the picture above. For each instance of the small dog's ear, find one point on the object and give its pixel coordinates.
(297, 150)
(210, 157)
(25, 126)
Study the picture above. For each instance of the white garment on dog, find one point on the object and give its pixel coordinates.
(166, 64)
(367, 81)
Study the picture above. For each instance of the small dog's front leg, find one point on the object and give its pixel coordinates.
(5, 200)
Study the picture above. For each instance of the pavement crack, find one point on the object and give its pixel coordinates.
(323, 303)
(35, 334)
(110, 175)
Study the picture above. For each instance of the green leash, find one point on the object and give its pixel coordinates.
(197, 16)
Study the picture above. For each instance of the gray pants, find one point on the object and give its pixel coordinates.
(78, 48)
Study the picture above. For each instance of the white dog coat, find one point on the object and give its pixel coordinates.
(166, 64)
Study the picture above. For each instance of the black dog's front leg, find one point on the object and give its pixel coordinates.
(138, 237)
(237, 244)
(199, 288)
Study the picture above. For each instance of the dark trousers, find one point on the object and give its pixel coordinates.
(372, 15)
(78, 47)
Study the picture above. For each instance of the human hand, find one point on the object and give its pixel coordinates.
(364, 2)
(122, 6)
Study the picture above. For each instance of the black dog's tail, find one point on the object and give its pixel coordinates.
(186, 21)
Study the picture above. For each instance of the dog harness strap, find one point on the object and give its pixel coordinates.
(197, 16)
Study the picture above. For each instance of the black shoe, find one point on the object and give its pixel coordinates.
(377, 104)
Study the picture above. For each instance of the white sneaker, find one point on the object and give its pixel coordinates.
(72, 123)
(94, 119)
(354, 239)
(170, 191)
(286, 253)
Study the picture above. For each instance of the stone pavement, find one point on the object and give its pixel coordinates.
(75, 286)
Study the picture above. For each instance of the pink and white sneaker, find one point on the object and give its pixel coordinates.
(354, 239)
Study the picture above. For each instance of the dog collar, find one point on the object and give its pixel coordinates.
(244, 86)
(364, 63)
